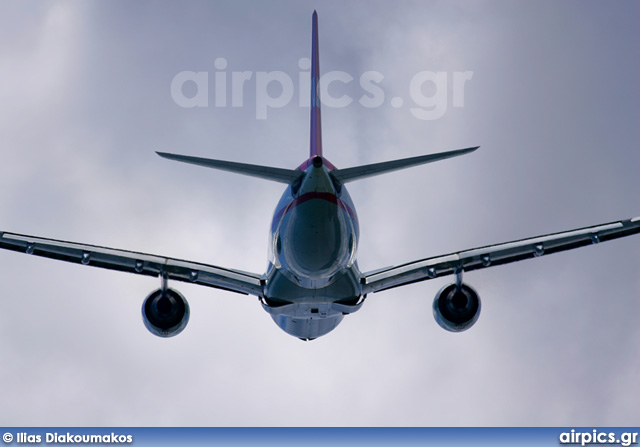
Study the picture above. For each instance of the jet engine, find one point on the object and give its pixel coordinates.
(456, 307)
(165, 312)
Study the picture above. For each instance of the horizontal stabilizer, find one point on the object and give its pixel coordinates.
(275, 174)
(359, 172)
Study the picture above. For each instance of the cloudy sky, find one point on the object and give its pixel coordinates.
(554, 103)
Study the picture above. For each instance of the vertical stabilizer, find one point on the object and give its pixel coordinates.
(316, 129)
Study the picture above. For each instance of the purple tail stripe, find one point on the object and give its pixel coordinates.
(316, 128)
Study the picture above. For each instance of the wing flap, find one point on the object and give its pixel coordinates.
(134, 262)
(497, 254)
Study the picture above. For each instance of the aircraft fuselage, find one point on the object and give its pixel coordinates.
(312, 279)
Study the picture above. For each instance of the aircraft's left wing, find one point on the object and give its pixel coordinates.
(498, 254)
(133, 262)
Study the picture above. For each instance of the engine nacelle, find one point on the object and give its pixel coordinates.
(165, 312)
(455, 308)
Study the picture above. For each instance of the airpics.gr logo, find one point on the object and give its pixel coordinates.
(276, 89)
(596, 437)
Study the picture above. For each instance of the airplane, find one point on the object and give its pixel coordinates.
(312, 278)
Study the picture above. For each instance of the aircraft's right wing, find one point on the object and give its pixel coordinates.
(498, 254)
(133, 262)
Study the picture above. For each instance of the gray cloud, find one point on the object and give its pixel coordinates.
(553, 102)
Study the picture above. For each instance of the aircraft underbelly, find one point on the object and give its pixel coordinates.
(316, 239)
(312, 280)
(307, 328)
(308, 313)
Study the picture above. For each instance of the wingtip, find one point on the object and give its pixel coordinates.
(469, 150)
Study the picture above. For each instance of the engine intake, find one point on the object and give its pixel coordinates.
(456, 308)
(165, 312)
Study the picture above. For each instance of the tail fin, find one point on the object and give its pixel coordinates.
(315, 147)
(291, 175)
